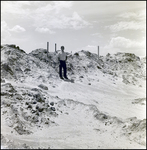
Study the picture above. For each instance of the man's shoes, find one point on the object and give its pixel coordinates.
(62, 78)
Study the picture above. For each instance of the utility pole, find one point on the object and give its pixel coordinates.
(98, 53)
(47, 48)
(55, 47)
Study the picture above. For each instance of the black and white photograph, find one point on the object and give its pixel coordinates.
(73, 74)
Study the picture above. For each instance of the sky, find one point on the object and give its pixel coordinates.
(114, 26)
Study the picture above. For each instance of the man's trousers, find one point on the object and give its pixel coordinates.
(62, 66)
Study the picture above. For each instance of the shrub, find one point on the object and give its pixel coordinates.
(12, 45)
(76, 54)
(108, 55)
(88, 53)
(129, 59)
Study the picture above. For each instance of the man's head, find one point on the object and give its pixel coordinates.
(62, 48)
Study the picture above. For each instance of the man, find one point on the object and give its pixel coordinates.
(62, 57)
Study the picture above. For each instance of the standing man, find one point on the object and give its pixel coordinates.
(62, 57)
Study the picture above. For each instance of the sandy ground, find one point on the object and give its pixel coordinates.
(77, 125)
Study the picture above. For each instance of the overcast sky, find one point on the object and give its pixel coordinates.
(116, 26)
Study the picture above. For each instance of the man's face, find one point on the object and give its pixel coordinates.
(62, 49)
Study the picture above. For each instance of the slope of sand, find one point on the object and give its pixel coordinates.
(103, 108)
(77, 126)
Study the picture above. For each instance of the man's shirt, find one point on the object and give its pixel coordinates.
(62, 56)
